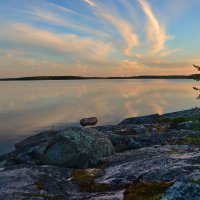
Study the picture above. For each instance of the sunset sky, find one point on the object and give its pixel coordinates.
(99, 37)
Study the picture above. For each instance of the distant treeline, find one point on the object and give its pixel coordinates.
(37, 78)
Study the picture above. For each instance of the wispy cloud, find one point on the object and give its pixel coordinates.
(90, 2)
(171, 51)
(108, 14)
(70, 45)
(126, 31)
(156, 31)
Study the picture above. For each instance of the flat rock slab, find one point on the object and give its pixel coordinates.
(36, 182)
(183, 191)
(153, 164)
(45, 182)
(168, 163)
(141, 120)
(154, 118)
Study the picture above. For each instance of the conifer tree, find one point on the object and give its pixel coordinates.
(197, 78)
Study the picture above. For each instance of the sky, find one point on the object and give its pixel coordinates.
(99, 37)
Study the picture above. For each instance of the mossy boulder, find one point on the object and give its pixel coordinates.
(75, 148)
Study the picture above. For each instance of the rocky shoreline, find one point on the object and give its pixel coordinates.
(155, 157)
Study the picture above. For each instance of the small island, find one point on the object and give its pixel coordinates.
(40, 78)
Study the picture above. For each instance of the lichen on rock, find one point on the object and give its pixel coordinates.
(76, 148)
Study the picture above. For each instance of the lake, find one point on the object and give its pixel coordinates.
(32, 106)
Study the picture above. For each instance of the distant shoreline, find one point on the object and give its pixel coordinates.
(41, 78)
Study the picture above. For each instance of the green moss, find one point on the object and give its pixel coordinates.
(195, 118)
(163, 120)
(94, 187)
(158, 197)
(146, 191)
(79, 176)
(179, 120)
(85, 178)
(85, 175)
(196, 127)
(159, 127)
(103, 164)
(39, 185)
(195, 181)
(16, 160)
(174, 121)
(190, 140)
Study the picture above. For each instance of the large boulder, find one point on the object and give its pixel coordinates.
(75, 148)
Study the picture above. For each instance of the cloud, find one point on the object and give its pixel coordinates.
(50, 16)
(13, 64)
(56, 19)
(89, 37)
(126, 31)
(70, 45)
(109, 17)
(90, 2)
(171, 51)
(156, 31)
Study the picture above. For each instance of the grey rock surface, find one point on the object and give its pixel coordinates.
(183, 191)
(149, 152)
(189, 125)
(183, 113)
(34, 182)
(153, 164)
(155, 117)
(173, 163)
(45, 183)
(141, 120)
(126, 137)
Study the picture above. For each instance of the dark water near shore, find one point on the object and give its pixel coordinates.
(32, 106)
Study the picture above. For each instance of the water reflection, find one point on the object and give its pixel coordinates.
(28, 107)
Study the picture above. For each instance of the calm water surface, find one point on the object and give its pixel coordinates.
(32, 106)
